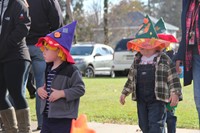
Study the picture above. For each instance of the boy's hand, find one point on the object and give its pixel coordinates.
(122, 99)
(174, 99)
(56, 94)
(42, 92)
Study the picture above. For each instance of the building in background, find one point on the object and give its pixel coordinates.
(126, 27)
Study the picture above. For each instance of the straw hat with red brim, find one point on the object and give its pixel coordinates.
(61, 38)
(147, 37)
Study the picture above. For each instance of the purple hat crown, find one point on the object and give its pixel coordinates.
(64, 36)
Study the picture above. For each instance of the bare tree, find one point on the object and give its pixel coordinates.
(96, 7)
(69, 10)
(70, 15)
(106, 41)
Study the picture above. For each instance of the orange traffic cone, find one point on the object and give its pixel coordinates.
(80, 125)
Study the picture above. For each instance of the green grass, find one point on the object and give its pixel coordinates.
(101, 104)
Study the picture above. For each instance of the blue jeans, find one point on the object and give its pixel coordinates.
(38, 67)
(171, 122)
(152, 116)
(196, 81)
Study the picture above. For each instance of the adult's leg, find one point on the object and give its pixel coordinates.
(196, 81)
(38, 66)
(9, 120)
(15, 74)
(16, 87)
(6, 110)
(4, 101)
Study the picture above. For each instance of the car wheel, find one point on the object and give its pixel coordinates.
(89, 72)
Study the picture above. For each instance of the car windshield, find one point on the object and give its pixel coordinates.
(81, 50)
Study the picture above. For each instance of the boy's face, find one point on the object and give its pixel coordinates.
(50, 55)
(147, 52)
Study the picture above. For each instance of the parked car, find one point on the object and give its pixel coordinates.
(122, 58)
(93, 59)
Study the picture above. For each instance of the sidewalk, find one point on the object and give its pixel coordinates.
(116, 128)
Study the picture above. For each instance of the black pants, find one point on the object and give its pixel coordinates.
(56, 125)
(12, 79)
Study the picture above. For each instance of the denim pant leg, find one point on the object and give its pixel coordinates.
(142, 116)
(171, 122)
(38, 66)
(196, 81)
(157, 117)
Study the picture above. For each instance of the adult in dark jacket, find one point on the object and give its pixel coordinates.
(189, 49)
(14, 64)
(46, 16)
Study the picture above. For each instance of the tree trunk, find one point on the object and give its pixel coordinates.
(68, 11)
(106, 41)
(70, 15)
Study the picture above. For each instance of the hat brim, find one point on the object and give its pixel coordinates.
(147, 43)
(53, 43)
(167, 37)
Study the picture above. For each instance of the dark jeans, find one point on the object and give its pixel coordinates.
(56, 125)
(152, 116)
(171, 122)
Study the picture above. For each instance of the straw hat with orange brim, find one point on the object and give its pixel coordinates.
(147, 38)
(61, 38)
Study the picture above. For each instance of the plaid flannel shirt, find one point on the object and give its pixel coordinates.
(166, 78)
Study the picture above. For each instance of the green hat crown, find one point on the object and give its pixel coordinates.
(147, 30)
(160, 26)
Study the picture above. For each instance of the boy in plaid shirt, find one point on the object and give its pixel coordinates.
(152, 79)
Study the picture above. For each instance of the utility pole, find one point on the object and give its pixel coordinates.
(106, 40)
